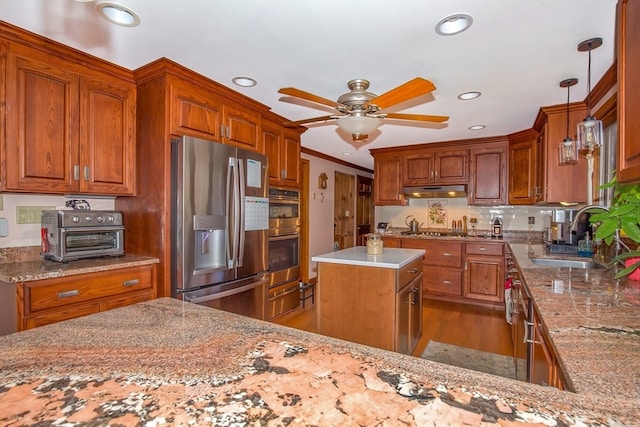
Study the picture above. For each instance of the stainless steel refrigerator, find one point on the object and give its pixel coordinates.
(220, 223)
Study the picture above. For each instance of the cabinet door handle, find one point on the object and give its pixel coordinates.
(76, 172)
(86, 173)
(131, 282)
(446, 282)
(283, 173)
(414, 295)
(68, 294)
(413, 271)
(446, 254)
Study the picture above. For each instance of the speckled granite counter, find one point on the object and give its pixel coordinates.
(169, 362)
(593, 321)
(26, 271)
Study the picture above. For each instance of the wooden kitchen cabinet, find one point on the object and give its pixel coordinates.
(203, 114)
(488, 176)
(282, 147)
(70, 118)
(524, 180)
(562, 183)
(387, 183)
(381, 306)
(42, 302)
(435, 167)
(484, 272)
(544, 364)
(628, 45)
(442, 266)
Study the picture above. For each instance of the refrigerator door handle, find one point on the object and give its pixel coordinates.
(230, 292)
(230, 258)
(236, 212)
(241, 222)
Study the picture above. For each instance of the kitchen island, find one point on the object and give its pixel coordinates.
(169, 362)
(371, 299)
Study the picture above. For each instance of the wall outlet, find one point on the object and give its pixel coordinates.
(30, 214)
(532, 220)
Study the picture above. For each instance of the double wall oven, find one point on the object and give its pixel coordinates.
(283, 293)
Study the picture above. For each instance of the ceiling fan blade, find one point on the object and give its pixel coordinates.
(305, 121)
(418, 117)
(291, 91)
(404, 92)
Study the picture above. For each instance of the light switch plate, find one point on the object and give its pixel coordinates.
(30, 214)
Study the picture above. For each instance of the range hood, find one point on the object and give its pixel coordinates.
(434, 191)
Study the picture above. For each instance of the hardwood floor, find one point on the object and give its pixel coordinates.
(464, 325)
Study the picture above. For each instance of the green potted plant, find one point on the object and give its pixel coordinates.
(621, 219)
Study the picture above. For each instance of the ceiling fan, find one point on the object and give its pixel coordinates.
(361, 110)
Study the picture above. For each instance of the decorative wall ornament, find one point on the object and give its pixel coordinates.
(322, 181)
(437, 213)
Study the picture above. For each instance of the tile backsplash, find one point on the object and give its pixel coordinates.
(429, 213)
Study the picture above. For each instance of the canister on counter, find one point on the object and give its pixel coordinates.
(374, 244)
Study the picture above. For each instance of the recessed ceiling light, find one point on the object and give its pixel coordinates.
(453, 24)
(477, 127)
(118, 14)
(244, 81)
(469, 95)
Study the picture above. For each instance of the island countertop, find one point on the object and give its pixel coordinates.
(169, 362)
(390, 258)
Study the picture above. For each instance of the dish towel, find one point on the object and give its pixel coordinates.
(507, 299)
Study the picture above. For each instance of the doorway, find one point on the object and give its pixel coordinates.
(343, 211)
(364, 209)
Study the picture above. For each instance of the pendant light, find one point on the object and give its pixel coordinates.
(567, 150)
(590, 132)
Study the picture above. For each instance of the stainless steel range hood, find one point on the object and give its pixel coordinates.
(435, 191)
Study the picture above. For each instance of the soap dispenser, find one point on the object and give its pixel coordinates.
(496, 227)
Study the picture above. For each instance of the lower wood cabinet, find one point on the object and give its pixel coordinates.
(470, 272)
(544, 365)
(42, 302)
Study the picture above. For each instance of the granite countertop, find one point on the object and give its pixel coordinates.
(390, 258)
(170, 362)
(39, 269)
(593, 320)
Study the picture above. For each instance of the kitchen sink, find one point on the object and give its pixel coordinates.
(573, 263)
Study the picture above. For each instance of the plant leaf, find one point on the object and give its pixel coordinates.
(606, 228)
(630, 227)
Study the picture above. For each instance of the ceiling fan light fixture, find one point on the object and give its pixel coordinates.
(454, 24)
(358, 124)
(118, 14)
(477, 127)
(465, 96)
(244, 81)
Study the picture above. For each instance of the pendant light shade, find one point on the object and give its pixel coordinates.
(590, 132)
(567, 150)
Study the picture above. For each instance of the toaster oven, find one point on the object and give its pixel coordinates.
(68, 235)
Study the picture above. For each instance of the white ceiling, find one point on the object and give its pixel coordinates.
(515, 53)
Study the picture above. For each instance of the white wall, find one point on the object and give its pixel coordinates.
(321, 205)
(29, 234)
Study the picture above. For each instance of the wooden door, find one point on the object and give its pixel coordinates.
(484, 278)
(418, 168)
(364, 209)
(241, 128)
(343, 210)
(194, 112)
(108, 136)
(272, 144)
(42, 123)
(628, 91)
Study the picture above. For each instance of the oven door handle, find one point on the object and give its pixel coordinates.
(283, 237)
(223, 294)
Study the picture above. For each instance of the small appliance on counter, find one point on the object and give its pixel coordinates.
(68, 235)
(496, 227)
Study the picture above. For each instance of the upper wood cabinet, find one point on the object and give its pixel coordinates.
(562, 183)
(282, 147)
(387, 182)
(628, 91)
(197, 112)
(435, 167)
(523, 168)
(488, 177)
(70, 128)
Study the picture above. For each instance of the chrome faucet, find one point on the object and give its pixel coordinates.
(574, 223)
(618, 243)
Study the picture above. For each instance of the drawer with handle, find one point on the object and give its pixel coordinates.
(437, 252)
(442, 281)
(51, 293)
(493, 249)
(409, 272)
